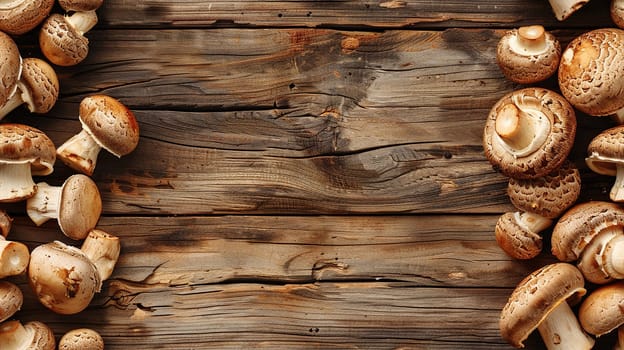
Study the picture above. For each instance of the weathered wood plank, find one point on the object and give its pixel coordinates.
(384, 14)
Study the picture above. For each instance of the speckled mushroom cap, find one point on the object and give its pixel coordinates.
(80, 5)
(602, 310)
(10, 67)
(63, 277)
(42, 83)
(606, 151)
(548, 196)
(80, 206)
(61, 43)
(20, 16)
(32, 335)
(515, 239)
(22, 143)
(528, 55)
(544, 108)
(591, 69)
(535, 297)
(81, 339)
(579, 225)
(11, 299)
(110, 123)
(43, 338)
(617, 12)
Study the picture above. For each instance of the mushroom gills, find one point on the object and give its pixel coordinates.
(611, 167)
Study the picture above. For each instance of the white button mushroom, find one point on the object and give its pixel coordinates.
(565, 8)
(24, 151)
(106, 123)
(11, 300)
(81, 339)
(77, 205)
(62, 39)
(38, 88)
(541, 301)
(20, 16)
(32, 335)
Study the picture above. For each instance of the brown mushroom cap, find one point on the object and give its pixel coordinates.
(535, 297)
(22, 143)
(5, 223)
(606, 151)
(550, 113)
(110, 123)
(10, 66)
(81, 339)
(579, 225)
(80, 206)
(80, 5)
(32, 335)
(63, 277)
(547, 196)
(61, 42)
(602, 310)
(11, 299)
(516, 238)
(617, 12)
(590, 71)
(19, 17)
(528, 54)
(42, 83)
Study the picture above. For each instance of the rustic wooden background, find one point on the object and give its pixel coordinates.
(309, 175)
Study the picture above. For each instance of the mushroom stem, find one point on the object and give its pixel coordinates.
(16, 182)
(83, 21)
(618, 116)
(44, 205)
(103, 250)
(14, 257)
(14, 336)
(562, 331)
(531, 40)
(80, 152)
(617, 190)
(532, 222)
(564, 8)
(522, 130)
(620, 343)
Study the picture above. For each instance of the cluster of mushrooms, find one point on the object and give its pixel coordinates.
(63, 277)
(528, 136)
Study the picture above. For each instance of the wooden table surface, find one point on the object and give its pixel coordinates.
(310, 174)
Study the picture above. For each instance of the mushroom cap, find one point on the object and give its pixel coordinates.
(535, 297)
(549, 195)
(63, 277)
(81, 339)
(602, 311)
(606, 151)
(19, 17)
(617, 12)
(527, 67)
(80, 206)
(80, 5)
(24, 144)
(5, 223)
(579, 225)
(11, 299)
(42, 83)
(551, 153)
(515, 239)
(61, 43)
(590, 71)
(111, 124)
(43, 336)
(32, 335)
(10, 66)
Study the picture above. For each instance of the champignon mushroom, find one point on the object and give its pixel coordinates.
(606, 157)
(32, 335)
(528, 55)
(5, 223)
(80, 5)
(76, 205)
(540, 301)
(601, 312)
(617, 12)
(20, 16)
(24, 151)
(14, 258)
(593, 234)
(106, 123)
(66, 278)
(564, 8)
(10, 69)
(81, 339)
(590, 72)
(38, 88)
(11, 299)
(62, 39)
(529, 133)
(539, 200)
